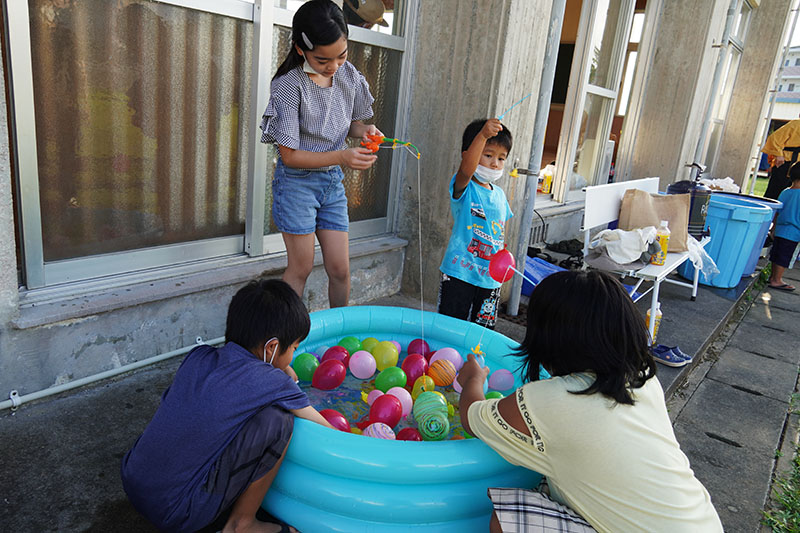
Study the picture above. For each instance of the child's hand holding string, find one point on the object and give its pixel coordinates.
(491, 128)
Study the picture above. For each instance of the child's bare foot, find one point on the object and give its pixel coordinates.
(254, 526)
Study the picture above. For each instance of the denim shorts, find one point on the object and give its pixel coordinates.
(304, 201)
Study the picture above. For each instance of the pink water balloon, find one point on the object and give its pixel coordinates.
(379, 430)
(362, 365)
(501, 380)
(449, 354)
(405, 399)
(374, 395)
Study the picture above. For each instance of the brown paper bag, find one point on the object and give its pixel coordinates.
(640, 209)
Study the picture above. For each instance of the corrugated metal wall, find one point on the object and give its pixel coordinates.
(141, 116)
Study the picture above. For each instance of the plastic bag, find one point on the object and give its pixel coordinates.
(701, 260)
(624, 246)
(725, 184)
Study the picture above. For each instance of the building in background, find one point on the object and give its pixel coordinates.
(135, 195)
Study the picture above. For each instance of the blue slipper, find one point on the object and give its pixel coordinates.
(665, 356)
(678, 353)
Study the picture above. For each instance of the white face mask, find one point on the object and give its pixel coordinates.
(488, 175)
(273, 350)
(307, 68)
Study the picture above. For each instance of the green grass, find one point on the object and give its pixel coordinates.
(785, 517)
(761, 186)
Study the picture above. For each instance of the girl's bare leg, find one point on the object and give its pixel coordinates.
(300, 253)
(336, 258)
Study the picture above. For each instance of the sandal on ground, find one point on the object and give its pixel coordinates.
(665, 356)
(680, 354)
(784, 287)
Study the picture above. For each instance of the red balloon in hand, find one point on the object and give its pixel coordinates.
(499, 266)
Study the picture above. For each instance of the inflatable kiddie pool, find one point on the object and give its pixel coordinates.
(335, 481)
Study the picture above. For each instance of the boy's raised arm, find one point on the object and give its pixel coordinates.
(472, 156)
(309, 413)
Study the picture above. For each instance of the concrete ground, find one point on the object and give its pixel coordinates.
(59, 468)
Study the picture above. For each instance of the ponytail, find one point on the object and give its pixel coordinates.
(316, 23)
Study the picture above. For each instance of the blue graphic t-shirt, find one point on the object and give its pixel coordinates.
(787, 224)
(479, 221)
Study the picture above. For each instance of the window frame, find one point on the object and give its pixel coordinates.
(731, 54)
(580, 87)
(38, 274)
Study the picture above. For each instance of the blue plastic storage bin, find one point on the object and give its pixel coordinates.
(535, 271)
(776, 206)
(734, 224)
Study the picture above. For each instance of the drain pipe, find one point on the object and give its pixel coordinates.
(754, 175)
(723, 47)
(15, 400)
(537, 146)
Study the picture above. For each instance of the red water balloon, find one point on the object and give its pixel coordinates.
(414, 365)
(419, 346)
(336, 352)
(499, 266)
(329, 375)
(386, 409)
(336, 419)
(409, 434)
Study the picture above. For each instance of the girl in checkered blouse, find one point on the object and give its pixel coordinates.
(317, 100)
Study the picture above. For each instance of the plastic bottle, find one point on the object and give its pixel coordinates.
(662, 236)
(659, 314)
(545, 180)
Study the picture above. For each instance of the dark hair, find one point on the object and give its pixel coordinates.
(322, 22)
(586, 322)
(503, 138)
(264, 309)
(794, 172)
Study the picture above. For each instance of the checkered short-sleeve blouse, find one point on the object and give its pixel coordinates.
(304, 116)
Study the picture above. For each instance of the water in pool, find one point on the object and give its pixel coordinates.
(347, 399)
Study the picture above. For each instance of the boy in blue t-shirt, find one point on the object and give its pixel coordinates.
(480, 211)
(217, 440)
(786, 231)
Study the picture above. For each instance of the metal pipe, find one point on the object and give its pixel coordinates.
(17, 400)
(723, 48)
(537, 145)
(773, 96)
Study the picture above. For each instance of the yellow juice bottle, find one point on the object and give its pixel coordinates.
(659, 314)
(662, 236)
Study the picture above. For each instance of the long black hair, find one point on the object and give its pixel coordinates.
(586, 322)
(322, 23)
(264, 309)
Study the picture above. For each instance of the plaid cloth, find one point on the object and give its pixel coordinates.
(521, 510)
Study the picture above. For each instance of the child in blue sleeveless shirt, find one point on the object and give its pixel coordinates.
(317, 100)
(480, 211)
